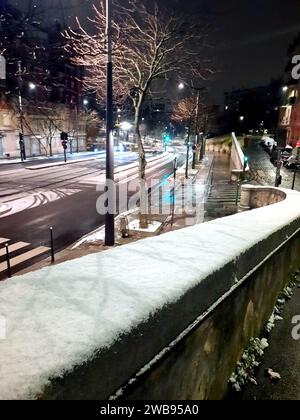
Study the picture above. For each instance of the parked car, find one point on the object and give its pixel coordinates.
(94, 147)
(268, 144)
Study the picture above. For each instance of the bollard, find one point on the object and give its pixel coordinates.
(52, 246)
(8, 261)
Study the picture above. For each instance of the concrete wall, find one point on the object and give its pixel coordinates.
(253, 197)
(237, 160)
(198, 365)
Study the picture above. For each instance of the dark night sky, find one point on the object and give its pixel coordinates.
(249, 38)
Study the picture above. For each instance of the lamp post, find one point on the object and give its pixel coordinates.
(241, 119)
(181, 86)
(21, 114)
(296, 166)
(110, 216)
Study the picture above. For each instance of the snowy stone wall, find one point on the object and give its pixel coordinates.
(83, 328)
(253, 197)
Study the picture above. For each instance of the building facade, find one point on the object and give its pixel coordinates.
(289, 118)
(43, 126)
(253, 110)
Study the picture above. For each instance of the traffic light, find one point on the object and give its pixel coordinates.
(167, 138)
(64, 136)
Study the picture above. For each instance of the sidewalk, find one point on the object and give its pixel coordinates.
(4, 161)
(190, 200)
(265, 172)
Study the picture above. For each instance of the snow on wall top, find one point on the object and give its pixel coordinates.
(58, 317)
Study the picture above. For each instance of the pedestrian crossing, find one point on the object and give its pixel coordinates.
(21, 254)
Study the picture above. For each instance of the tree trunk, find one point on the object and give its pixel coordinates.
(143, 216)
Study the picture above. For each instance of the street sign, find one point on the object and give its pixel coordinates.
(64, 136)
(64, 144)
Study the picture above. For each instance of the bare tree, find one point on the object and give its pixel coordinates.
(184, 112)
(149, 44)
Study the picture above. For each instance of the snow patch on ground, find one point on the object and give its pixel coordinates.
(37, 199)
(152, 228)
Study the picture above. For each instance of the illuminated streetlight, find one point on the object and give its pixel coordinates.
(126, 126)
(181, 86)
(285, 88)
(242, 118)
(32, 86)
(85, 102)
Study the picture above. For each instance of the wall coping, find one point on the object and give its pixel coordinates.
(63, 316)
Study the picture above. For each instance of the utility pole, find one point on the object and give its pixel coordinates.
(203, 138)
(195, 155)
(296, 167)
(174, 190)
(77, 125)
(21, 114)
(110, 216)
(188, 149)
(278, 170)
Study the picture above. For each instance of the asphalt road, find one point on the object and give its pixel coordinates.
(260, 164)
(71, 216)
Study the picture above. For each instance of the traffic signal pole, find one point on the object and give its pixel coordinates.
(110, 216)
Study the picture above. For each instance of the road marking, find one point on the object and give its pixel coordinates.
(14, 247)
(24, 257)
(39, 198)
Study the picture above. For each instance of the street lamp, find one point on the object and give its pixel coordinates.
(21, 114)
(242, 118)
(126, 127)
(284, 89)
(32, 86)
(85, 102)
(181, 86)
(110, 216)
